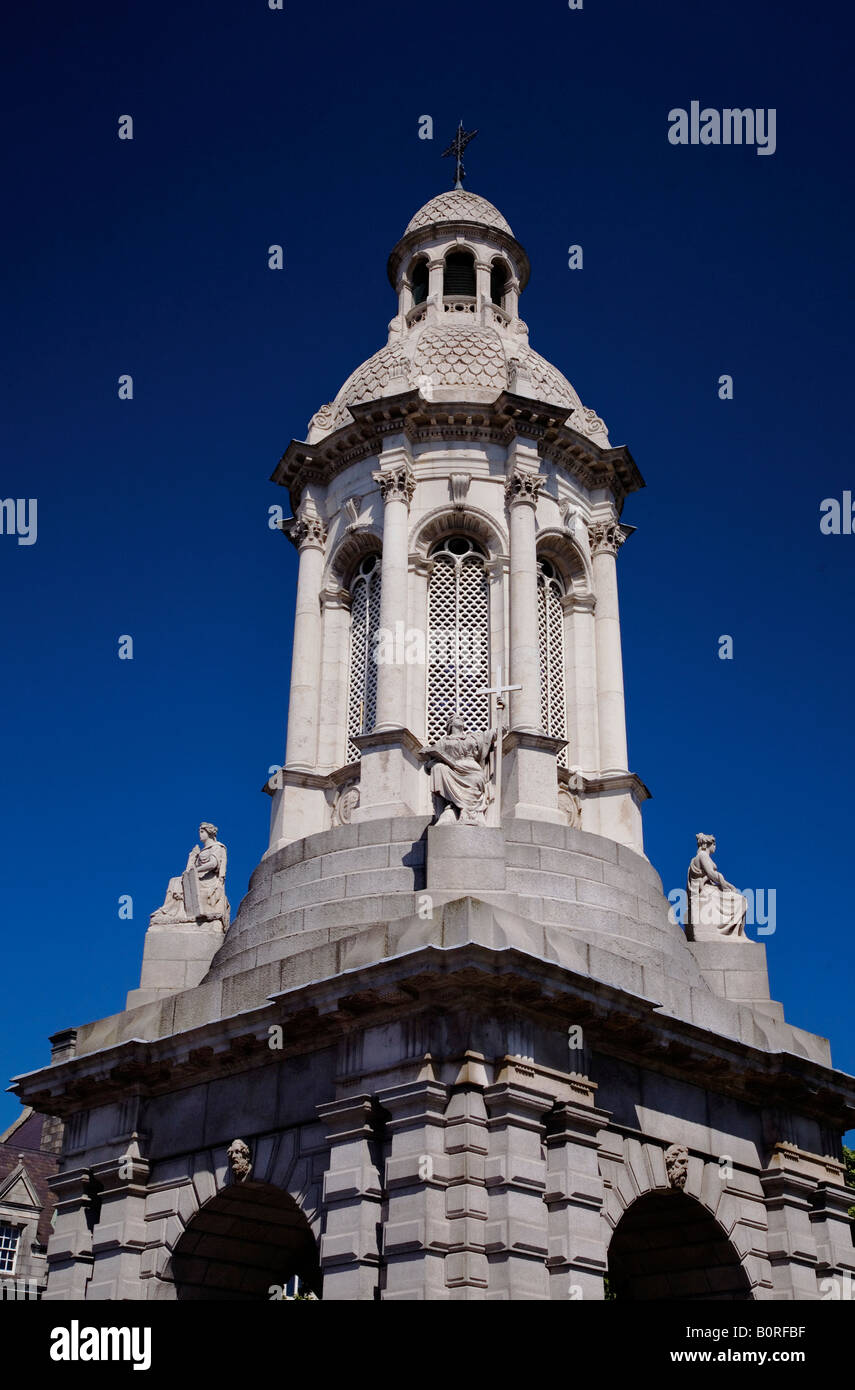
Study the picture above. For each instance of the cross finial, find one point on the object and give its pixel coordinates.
(457, 146)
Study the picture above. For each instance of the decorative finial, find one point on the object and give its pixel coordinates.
(457, 146)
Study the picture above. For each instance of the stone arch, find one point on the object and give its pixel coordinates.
(733, 1222)
(249, 1237)
(347, 554)
(570, 558)
(175, 1200)
(668, 1246)
(449, 521)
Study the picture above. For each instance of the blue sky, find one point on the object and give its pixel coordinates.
(300, 127)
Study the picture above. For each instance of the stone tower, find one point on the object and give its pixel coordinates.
(449, 1060)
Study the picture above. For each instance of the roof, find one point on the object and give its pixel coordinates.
(457, 205)
(20, 1146)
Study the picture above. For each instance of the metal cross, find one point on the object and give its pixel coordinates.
(497, 691)
(456, 148)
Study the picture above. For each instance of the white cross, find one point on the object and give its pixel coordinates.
(497, 691)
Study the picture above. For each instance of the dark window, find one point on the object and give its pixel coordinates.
(498, 281)
(419, 281)
(459, 276)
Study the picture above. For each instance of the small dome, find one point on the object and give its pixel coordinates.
(458, 206)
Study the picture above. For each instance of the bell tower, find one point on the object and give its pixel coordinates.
(454, 1044)
(462, 468)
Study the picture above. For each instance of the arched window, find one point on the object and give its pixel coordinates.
(459, 273)
(419, 277)
(458, 635)
(499, 277)
(550, 633)
(364, 622)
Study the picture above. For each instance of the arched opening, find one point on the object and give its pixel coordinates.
(458, 635)
(550, 638)
(458, 276)
(244, 1243)
(364, 622)
(499, 276)
(668, 1246)
(419, 278)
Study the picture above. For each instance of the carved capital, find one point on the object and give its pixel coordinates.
(306, 530)
(523, 487)
(396, 484)
(606, 537)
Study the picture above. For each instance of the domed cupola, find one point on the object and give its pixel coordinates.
(458, 272)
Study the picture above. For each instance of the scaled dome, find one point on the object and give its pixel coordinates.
(457, 205)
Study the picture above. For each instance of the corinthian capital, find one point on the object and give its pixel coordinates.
(307, 529)
(396, 484)
(606, 537)
(523, 487)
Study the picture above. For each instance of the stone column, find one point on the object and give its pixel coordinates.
(577, 1257)
(415, 1232)
(390, 770)
(119, 1237)
(582, 680)
(308, 533)
(350, 1254)
(397, 485)
(606, 539)
(332, 728)
(69, 1252)
(516, 1180)
(521, 494)
(530, 775)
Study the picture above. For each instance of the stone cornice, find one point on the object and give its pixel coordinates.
(471, 977)
(498, 422)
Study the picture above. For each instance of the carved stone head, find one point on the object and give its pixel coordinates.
(455, 724)
(677, 1165)
(207, 831)
(238, 1154)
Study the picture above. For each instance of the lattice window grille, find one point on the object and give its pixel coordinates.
(550, 632)
(458, 636)
(364, 622)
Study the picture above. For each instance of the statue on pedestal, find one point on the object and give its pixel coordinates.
(714, 903)
(199, 895)
(459, 780)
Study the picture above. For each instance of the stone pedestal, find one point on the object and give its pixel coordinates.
(176, 956)
(389, 775)
(734, 970)
(453, 851)
(530, 777)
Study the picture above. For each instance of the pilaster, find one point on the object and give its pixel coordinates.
(416, 1232)
(517, 1229)
(352, 1196)
(577, 1258)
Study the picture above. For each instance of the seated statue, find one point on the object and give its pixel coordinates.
(716, 908)
(199, 895)
(459, 780)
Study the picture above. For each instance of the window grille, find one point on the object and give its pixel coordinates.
(9, 1237)
(364, 623)
(458, 636)
(550, 632)
(459, 273)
